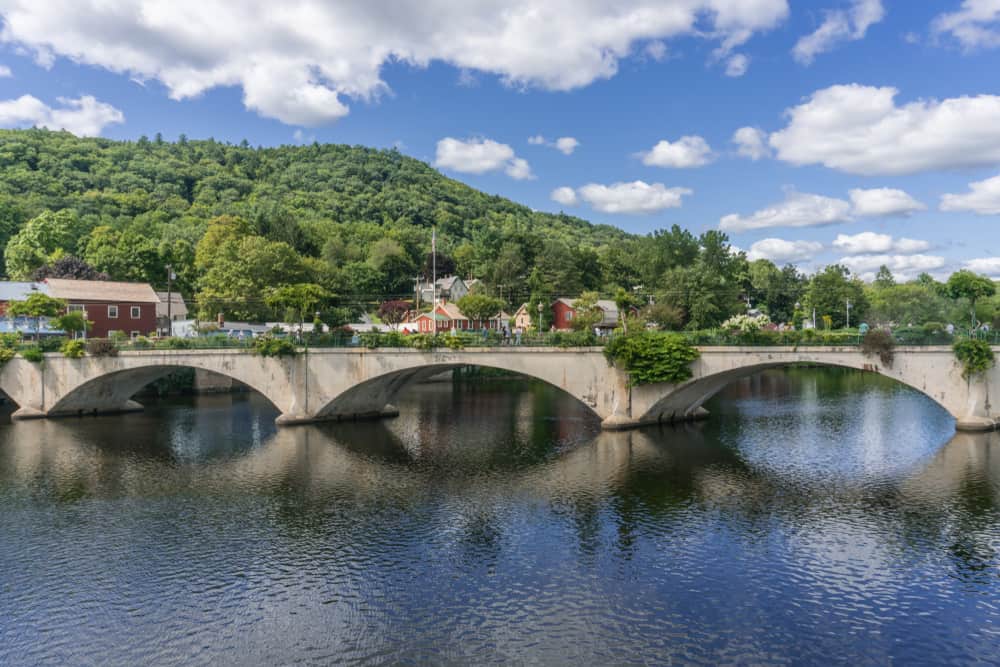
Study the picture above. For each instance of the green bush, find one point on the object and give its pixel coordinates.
(573, 338)
(423, 341)
(51, 343)
(269, 346)
(975, 355)
(879, 343)
(370, 339)
(174, 343)
(101, 347)
(651, 357)
(118, 337)
(392, 339)
(33, 354)
(141, 343)
(74, 349)
(455, 342)
(6, 354)
(932, 327)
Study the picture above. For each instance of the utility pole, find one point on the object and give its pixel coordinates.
(170, 300)
(434, 282)
(416, 288)
(848, 314)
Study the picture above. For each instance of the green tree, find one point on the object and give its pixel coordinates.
(829, 291)
(625, 301)
(479, 307)
(967, 285)
(36, 306)
(42, 240)
(300, 300)
(72, 322)
(587, 314)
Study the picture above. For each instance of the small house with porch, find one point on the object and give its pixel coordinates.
(443, 317)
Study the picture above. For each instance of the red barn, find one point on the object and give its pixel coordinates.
(111, 306)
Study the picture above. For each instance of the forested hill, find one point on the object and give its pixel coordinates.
(236, 222)
(151, 198)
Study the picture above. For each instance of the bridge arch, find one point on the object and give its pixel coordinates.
(376, 396)
(113, 391)
(686, 401)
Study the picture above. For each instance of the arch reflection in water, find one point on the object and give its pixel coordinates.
(468, 530)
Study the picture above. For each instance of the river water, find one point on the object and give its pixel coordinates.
(818, 517)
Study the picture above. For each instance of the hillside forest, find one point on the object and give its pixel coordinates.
(250, 232)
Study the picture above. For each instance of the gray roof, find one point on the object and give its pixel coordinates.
(19, 291)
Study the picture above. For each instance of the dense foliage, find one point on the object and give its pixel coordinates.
(271, 346)
(650, 357)
(286, 232)
(976, 356)
(74, 349)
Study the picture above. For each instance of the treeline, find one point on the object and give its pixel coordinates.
(256, 232)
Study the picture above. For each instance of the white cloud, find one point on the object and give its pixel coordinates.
(983, 198)
(478, 156)
(839, 26)
(565, 196)
(737, 65)
(84, 116)
(634, 197)
(989, 266)
(752, 143)
(975, 25)
(5, 72)
(781, 251)
(566, 145)
(297, 61)
(903, 267)
(797, 210)
(871, 243)
(861, 130)
(519, 169)
(883, 202)
(686, 152)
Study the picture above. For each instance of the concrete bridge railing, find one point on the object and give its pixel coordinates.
(350, 383)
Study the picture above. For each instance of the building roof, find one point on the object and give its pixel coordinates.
(101, 290)
(522, 308)
(178, 308)
(19, 291)
(448, 282)
(453, 311)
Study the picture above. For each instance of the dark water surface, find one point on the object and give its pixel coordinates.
(819, 517)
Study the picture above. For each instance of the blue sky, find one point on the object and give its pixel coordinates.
(843, 169)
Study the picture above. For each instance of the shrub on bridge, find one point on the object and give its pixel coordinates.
(174, 343)
(141, 343)
(370, 339)
(975, 355)
(73, 349)
(456, 342)
(423, 341)
(651, 357)
(101, 347)
(879, 343)
(573, 338)
(33, 354)
(271, 346)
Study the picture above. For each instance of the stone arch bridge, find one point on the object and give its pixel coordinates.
(350, 383)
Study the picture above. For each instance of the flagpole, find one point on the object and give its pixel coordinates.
(434, 283)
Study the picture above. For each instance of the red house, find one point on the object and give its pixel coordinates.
(111, 306)
(564, 310)
(448, 317)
